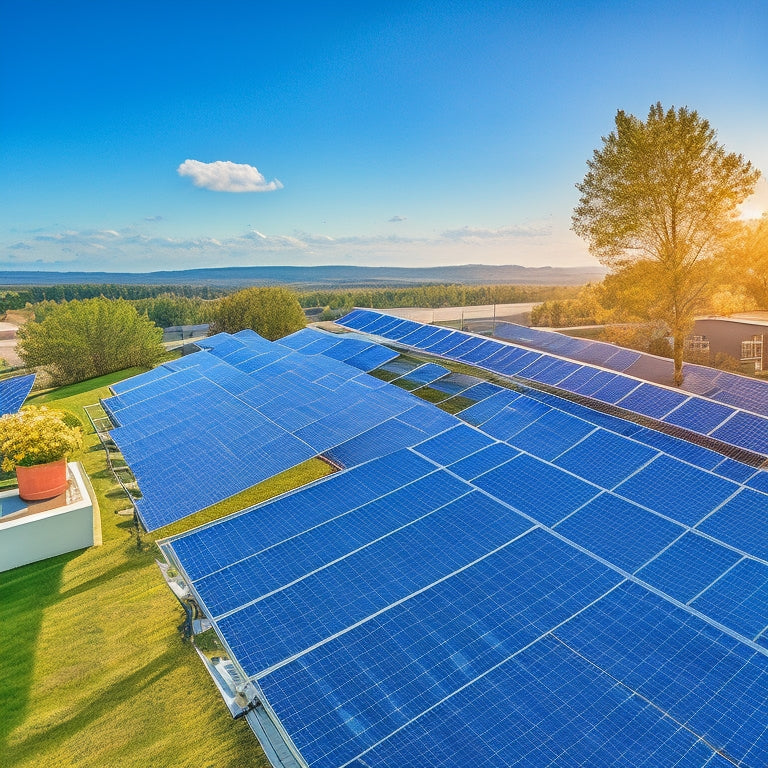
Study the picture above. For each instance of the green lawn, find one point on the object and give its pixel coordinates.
(94, 671)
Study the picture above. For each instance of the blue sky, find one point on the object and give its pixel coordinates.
(404, 133)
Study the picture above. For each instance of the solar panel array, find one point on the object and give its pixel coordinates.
(735, 426)
(523, 585)
(14, 391)
(725, 387)
(202, 428)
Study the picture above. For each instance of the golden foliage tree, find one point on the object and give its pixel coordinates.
(657, 200)
(271, 312)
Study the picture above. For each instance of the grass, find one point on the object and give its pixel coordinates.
(455, 404)
(431, 395)
(292, 478)
(81, 387)
(94, 671)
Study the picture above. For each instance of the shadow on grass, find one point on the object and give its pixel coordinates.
(25, 593)
(109, 697)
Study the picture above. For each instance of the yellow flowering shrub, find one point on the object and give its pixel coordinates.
(36, 435)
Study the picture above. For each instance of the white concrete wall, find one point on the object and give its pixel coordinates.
(45, 534)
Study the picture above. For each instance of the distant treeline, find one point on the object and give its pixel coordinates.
(434, 296)
(189, 305)
(19, 298)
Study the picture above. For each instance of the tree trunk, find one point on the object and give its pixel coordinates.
(678, 341)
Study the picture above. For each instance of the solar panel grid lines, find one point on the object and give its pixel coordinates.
(688, 566)
(617, 386)
(276, 649)
(238, 534)
(286, 563)
(622, 533)
(702, 682)
(463, 621)
(374, 563)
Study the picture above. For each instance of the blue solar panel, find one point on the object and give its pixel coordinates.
(468, 634)
(688, 567)
(708, 682)
(621, 359)
(545, 678)
(652, 401)
(204, 550)
(426, 373)
(699, 415)
(551, 434)
(479, 354)
(605, 458)
(482, 391)
(594, 383)
(396, 613)
(540, 490)
(346, 348)
(514, 418)
(371, 358)
(454, 383)
(381, 440)
(667, 486)
(453, 445)
(680, 449)
(741, 522)
(296, 557)
(323, 603)
(555, 372)
(484, 460)
(759, 481)
(734, 470)
(428, 419)
(489, 406)
(746, 430)
(14, 391)
(620, 532)
(615, 389)
(739, 599)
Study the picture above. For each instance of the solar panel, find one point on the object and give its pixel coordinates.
(14, 391)
(710, 684)
(739, 599)
(749, 430)
(675, 489)
(551, 434)
(741, 522)
(622, 533)
(688, 567)
(652, 401)
(426, 373)
(605, 458)
(453, 444)
(537, 489)
(458, 601)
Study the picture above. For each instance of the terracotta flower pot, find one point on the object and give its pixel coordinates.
(42, 481)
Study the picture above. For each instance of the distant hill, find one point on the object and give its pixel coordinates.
(320, 277)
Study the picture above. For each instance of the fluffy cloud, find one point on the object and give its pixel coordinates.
(537, 229)
(226, 176)
(142, 250)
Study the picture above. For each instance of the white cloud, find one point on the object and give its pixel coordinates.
(538, 229)
(132, 250)
(397, 218)
(226, 176)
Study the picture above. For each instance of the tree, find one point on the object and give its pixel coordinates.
(78, 340)
(659, 197)
(747, 259)
(271, 312)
